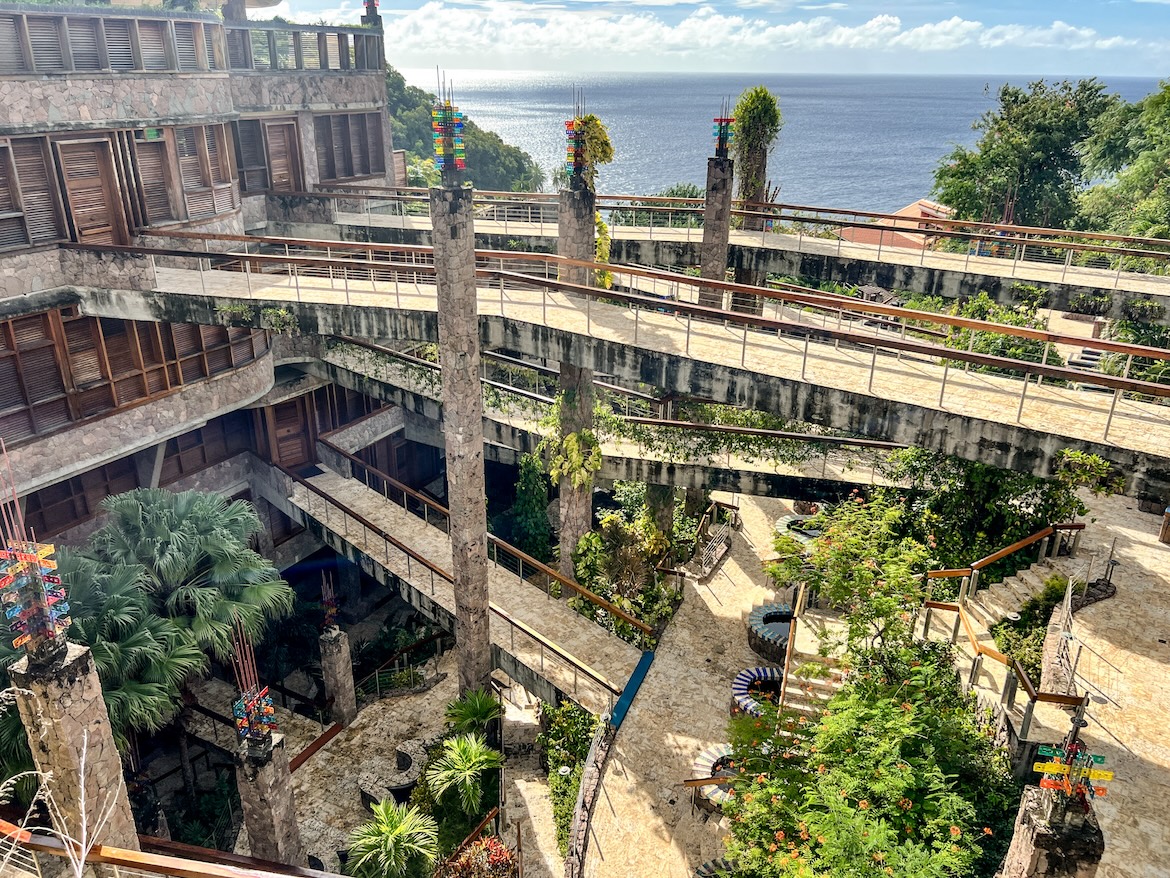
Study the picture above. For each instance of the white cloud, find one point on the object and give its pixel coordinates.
(940, 36)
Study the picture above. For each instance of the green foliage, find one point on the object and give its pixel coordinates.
(602, 278)
(576, 458)
(1027, 166)
(473, 711)
(278, 320)
(400, 841)
(484, 858)
(199, 570)
(204, 820)
(1023, 639)
(563, 790)
(243, 313)
(598, 150)
(531, 531)
(632, 216)
(491, 163)
(757, 123)
(460, 767)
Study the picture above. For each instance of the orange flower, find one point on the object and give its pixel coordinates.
(779, 835)
(821, 768)
(863, 804)
(956, 832)
(879, 856)
(905, 804)
(987, 830)
(820, 839)
(772, 848)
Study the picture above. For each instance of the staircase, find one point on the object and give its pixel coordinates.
(991, 605)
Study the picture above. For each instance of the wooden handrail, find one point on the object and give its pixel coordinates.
(154, 845)
(1012, 549)
(597, 676)
(493, 540)
(948, 574)
(320, 741)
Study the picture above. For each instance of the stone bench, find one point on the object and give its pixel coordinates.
(376, 781)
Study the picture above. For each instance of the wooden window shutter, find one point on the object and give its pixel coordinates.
(185, 50)
(377, 151)
(237, 43)
(196, 190)
(324, 136)
(44, 35)
(211, 33)
(12, 58)
(38, 191)
(84, 360)
(343, 163)
(119, 46)
(42, 375)
(250, 156)
(261, 56)
(84, 43)
(151, 159)
(152, 40)
(12, 231)
(359, 156)
(212, 134)
(310, 51)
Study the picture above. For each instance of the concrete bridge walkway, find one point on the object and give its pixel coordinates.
(870, 391)
(538, 640)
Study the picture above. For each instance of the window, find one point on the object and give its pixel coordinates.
(28, 197)
(349, 145)
(204, 171)
(250, 155)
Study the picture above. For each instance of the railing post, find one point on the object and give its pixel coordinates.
(1076, 545)
(1008, 697)
(1112, 409)
(955, 628)
(976, 667)
(943, 389)
(973, 586)
(1026, 721)
(1023, 394)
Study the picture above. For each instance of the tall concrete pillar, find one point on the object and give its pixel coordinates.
(349, 586)
(454, 238)
(576, 235)
(69, 734)
(660, 502)
(270, 811)
(716, 227)
(337, 672)
(1053, 850)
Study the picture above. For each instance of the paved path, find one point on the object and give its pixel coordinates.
(643, 822)
(1027, 269)
(1067, 413)
(593, 646)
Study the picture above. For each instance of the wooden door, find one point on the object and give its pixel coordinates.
(283, 167)
(292, 444)
(91, 193)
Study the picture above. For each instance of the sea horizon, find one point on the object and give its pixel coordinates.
(867, 141)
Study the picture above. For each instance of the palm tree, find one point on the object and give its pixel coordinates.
(199, 570)
(398, 840)
(461, 766)
(476, 712)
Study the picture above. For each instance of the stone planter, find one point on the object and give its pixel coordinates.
(769, 628)
(753, 685)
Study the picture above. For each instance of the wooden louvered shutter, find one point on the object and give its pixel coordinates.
(359, 160)
(44, 35)
(281, 144)
(261, 56)
(237, 43)
(200, 202)
(12, 231)
(343, 163)
(152, 41)
(152, 159)
(185, 51)
(377, 152)
(12, 58)
(250, 156)
(211, 33)
(310, 51)
(119, 47)
(84, 360)
(89, 188)
(38, 191)
(324, 136)
(84, 43)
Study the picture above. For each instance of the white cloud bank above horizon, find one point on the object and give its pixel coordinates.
(595, 35)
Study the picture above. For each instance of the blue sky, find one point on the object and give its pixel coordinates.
(1069, 37)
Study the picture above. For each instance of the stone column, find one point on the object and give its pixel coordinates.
(660, 502)
(716, 227)
(576, 233)
(1040, 849)
(63, 713)
(270, 811)
(454, 238)
(337, 672)
(349, 587)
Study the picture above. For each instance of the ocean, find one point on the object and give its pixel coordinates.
(863, 142)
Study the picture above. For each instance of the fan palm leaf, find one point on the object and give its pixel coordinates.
(387, 846)
(461, 767)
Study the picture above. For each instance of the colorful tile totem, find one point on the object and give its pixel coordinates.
(255, 716)
(723, 130)
(447, 135)
(574, 146)
(32, 595)
(1071, 769)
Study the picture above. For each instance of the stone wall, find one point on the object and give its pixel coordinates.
(96, 101)
(716, 227)
(1055, 666)
(366, 431)
(102, 270)
(26, 271)
(230, 223)
(314, 210)
(1058, 850)
(58, 456)
(255, 212)
(322, 91)
(591, 777)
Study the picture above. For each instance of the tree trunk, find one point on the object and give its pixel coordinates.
(185, 755)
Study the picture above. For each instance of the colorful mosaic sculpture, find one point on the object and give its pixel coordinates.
(574, 147)
(447, 134)
(253, 711)
(723, 130)
(31, 593)
(328, 602)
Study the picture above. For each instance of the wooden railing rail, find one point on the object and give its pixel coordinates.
(436, 570)
(1012, 549)
(317, 743)
(154, 845)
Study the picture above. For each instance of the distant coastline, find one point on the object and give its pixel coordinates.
(860, 141)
